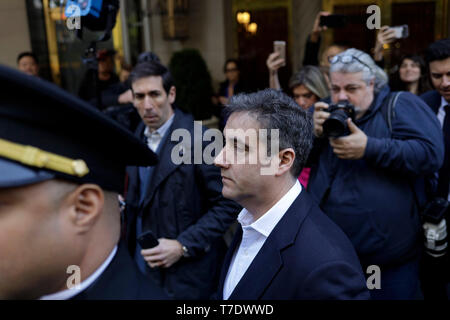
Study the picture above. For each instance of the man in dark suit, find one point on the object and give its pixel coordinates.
(60, 218)
(287, 248)
(436, 273)
(180, 202)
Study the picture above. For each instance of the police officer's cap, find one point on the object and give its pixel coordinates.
(47, 133)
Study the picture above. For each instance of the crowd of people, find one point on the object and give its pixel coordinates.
(360, 179)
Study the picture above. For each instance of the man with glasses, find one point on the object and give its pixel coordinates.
(368, 179)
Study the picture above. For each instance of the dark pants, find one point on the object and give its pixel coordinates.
(435, 277)
(399, 283)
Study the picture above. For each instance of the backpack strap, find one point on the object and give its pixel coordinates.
(388, 109)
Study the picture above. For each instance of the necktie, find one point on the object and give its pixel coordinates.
(444, 172)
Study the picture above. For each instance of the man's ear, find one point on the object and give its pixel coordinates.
(286, 158)
(172, 94)
(84, 206)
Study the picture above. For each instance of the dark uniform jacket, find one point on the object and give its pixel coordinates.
(122, 280)
(183, 202)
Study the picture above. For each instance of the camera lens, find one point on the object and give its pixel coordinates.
(336, 125)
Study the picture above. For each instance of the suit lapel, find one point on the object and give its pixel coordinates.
(165, 164)
(133, 183)
(269, 261)
(260, 273)
(433, 99)
(437, 102)
(226, 264)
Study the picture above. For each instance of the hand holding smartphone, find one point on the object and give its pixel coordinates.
(147, 240)
(401, 32)
(280, 48)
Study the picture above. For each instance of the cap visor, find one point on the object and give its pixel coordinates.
(15, 175)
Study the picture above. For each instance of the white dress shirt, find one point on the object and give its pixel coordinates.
(254, 235)
(69, 293)
(154, 138)
(441, 117)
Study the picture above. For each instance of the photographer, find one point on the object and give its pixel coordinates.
(96, 81)
(365, 177)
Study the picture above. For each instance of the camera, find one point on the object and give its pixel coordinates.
(435, 227)
(336, 125)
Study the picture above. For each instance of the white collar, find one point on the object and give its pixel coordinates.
(161, 130)
(69, 293)
(267, 222)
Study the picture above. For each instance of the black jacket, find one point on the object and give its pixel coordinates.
(183, 202)
(372, 198)
(306, 256)
(433, 99)
(122, 280)
(91, 88)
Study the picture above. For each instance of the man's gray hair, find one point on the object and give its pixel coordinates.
(275, 110)
(366, 65)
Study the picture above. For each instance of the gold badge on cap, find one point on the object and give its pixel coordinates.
(35, 157)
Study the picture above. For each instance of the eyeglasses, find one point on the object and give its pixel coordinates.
(231, 70)
(346, 59)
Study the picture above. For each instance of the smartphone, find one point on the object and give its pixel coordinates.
(333, 21)
(147, 240)
(436, 210)
(401, 32)
(280, 48)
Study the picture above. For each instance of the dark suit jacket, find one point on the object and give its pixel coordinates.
(183, 202)
(306, 256)
(435, 275)
(122, 280)
(433, 99)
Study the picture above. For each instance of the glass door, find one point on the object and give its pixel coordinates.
(65, 50)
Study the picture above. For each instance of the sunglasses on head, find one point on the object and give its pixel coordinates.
(346, 59)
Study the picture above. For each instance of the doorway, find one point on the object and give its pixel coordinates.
(273, 21)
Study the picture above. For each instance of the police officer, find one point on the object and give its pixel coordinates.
(62, 166)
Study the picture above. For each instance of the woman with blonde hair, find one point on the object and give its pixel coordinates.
(307, 86)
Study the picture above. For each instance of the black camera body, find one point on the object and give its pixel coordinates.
(435, 227)
(336, 125)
